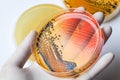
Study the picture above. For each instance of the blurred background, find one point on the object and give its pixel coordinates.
(11, 10)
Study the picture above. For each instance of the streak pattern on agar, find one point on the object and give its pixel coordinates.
(71, 42)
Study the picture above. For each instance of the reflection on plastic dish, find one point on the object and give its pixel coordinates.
(31, 18)
(110, 7)
(68, 43)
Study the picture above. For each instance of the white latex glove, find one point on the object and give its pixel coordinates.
(13, 68)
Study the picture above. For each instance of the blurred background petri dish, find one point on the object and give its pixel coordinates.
(68, 43)
(31, 18)
(110, 7)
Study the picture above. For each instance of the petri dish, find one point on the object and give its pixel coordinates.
(110, 7)
(31, 18)
(69, 43)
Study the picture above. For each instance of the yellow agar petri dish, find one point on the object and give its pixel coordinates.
(110, 7)
(69, 43)
(31, 18)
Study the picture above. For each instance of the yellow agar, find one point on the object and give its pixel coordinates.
(109, 7)
(31, 18)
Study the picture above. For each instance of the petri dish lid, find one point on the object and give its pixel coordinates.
(30, 19)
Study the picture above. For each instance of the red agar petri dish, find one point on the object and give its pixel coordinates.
(69, 43)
